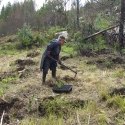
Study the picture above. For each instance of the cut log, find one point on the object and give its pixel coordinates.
(101, 32)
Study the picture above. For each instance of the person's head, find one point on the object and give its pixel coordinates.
(62, 39)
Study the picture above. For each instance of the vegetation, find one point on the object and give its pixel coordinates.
(25, 36)
(98, 89)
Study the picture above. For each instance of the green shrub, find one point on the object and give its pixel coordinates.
(119, 73)
(116, 46)
(56, 107)
(108, 64)
(70, 36)
(83, 48)
(38, 39)
(77, 35)
(117, 102)
(25, 35)
(100, 22)
(100, 43)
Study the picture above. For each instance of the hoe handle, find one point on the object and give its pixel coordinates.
(63, 65)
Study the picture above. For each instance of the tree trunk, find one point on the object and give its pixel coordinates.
(121, 27)
(78, 14)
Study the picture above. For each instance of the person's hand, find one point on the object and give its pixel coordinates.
(48, 52)
(59, 61)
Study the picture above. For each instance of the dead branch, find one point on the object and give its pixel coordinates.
(88, 119)
(3, 100)
(101, 32)
(2, 117)
(78, 118)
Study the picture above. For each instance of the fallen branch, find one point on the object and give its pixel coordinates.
(2, 117)
(3, 100)
(78, 118)
(101, 32)
(88, 119)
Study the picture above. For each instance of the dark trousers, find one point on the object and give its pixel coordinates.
(49, 64)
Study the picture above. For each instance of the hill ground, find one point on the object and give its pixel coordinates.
(96, 97)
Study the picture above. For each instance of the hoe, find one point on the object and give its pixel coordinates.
(64, 66)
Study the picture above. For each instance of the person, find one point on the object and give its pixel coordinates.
(52, 50)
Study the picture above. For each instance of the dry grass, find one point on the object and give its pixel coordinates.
(91, 84)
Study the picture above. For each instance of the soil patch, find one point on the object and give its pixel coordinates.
(5, 75)
(107, 62)
(68, 78)
(120, 91)
(12, 40)
(51, 82)
(63, 58)
(24, 62)
(88, 53)
(15, 108)
(33, 54)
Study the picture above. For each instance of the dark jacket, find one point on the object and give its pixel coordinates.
(54, 48)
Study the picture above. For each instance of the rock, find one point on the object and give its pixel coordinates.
(64, 33)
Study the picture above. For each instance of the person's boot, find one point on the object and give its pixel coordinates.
(54, 74)
(44, 78)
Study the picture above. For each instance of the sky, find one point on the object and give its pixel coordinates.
(39, 3)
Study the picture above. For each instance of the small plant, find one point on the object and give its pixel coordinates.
(116, 45)
(1, 91)
(102, 120)
(60, 84)
(91, 108)
(120, 73)
(9, 79)
(104, 95)
(117, 102)
(30, 103)
(107, 64)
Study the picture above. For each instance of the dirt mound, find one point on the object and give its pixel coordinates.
(88, 53)
(20, 68)
(12, 40)
(15, 106)
(118, 60)
(63, 58)
(24, 62)
(68, 78)
(120, 91)
(107, 61)
(51, 82)
(33, 54)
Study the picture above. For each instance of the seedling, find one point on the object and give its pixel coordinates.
(60, 84)
(30, 103)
